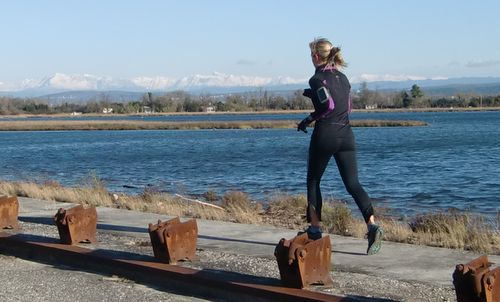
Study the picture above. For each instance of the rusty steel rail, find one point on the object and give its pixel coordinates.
(203, 283)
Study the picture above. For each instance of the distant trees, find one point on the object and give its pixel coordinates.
(466, 100)
(416, 92)
(299, 102)
(418, 97)
(180, 101)
(407, 100)
(479, 101)
(10, 106)
(366, 98)
(413, 99)
(36, 108)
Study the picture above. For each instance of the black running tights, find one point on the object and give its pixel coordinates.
(343, 149)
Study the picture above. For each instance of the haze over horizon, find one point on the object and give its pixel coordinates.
(243, 42)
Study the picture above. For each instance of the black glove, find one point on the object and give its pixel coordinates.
(302, 126)
(307, 93)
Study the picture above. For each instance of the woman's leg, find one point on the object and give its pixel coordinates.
(317, 163)
(348, 168)
(346, 162)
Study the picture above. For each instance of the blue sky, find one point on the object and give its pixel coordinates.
(267, 38)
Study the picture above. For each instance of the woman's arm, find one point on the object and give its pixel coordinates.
(322, 99)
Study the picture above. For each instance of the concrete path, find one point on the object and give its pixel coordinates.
(403, 262)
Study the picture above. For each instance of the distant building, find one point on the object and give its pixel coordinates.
(147, 109)
(76, 113)
(370, 107)
(107, 110)
(210, 109)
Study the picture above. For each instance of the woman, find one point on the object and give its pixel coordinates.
(333, 136)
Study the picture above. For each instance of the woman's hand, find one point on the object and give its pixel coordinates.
(307, 93)
(302, 126)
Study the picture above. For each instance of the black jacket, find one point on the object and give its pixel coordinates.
(335, 108)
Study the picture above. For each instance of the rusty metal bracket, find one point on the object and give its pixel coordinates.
(9, 210)
(303, 262)
(77, 224)
(174, 240)
(491, 284)
(475, 282)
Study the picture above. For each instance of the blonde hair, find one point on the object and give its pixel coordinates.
(327, 53)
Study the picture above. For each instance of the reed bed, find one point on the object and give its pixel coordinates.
(68, 125)
(450, 229)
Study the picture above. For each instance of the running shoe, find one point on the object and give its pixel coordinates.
(375, 235)
(314, 233)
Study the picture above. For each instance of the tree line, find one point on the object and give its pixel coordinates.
(180, 101)
(415, 97)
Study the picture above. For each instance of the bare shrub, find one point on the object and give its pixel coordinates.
(286, 211)
(241, 207)
(211, 196)
(337, 218)
(455, 229)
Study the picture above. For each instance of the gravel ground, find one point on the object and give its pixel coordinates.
(35, 282)
(345, 283)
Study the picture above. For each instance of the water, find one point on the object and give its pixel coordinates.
(454, 162)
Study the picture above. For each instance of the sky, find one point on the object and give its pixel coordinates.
(388, 39)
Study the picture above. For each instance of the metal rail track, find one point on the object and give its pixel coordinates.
(145, 269)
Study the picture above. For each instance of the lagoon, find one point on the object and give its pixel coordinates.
(453, 162)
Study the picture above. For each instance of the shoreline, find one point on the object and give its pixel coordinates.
(450, 229)
(265, 112)
(72, 125)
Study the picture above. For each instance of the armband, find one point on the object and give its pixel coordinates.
(323, 94)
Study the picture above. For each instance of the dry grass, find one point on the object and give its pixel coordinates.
(52, 191)
(455, 229)
(286, 211)
(386, 123)
(165, 204)
(29, 125)
(337, 219)
(241, 209)
(93, 192)
(446, 229)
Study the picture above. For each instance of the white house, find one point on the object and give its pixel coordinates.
(210, 109)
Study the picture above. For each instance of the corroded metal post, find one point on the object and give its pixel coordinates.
(77, 224)
(9, 210)
(475, 282)
(491, 283)
(174, 240)
(303, 262)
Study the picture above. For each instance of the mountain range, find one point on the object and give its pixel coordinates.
(69, 88)
(60, 82)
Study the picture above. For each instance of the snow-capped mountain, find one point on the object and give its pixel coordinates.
(227, 80)
(75, 86)
(63, 82)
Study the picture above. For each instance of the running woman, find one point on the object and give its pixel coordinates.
(332, 136)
